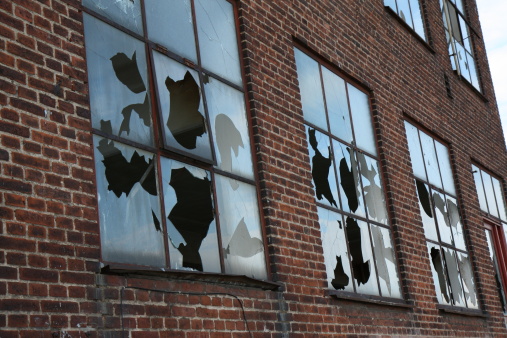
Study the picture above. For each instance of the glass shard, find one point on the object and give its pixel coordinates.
(372, 186)
(228, 140)
(442, 217)
(124, 12)
(350, 189)
(437, 268)
(386, 263)
(468, 280)
(500, 201)
(242, 243)
(490, 194)
(426, 209)
(444, 163)
(454, 277)
(142, 110)
(430, 160)
(480, 188)
(320, 170)
(455, 223)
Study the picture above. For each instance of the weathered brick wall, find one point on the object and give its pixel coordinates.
(50, 283)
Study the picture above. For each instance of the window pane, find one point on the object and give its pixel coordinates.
(392, 4)
(242, 243)
(468, 280)
(415, 151)
(337, 106)
(455, 223)
(438, 271)
(191, 228)
(454, 277)
(311, 89)
(426, 209)
(500, 201)
(386, 262)
(373, 191)
(490, 194)
(129, 209)
(460, 6)
(226, 107)
(499, 283)
(442, 217)
(404, 12)
(217, 38)
(462, 61)
(170, 24)
(430, 160)
(417, 18)
(467, 43)
(473, 72)
(323, 174)
(119, 96)
(350, 188)
(480, 188)
(124, 12)
(361, 118)
(336, 256)
(363, 265)
(181, 107)
(444, 164)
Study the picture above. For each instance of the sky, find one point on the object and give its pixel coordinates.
(494, 30)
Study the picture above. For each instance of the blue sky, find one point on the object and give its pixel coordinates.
(494, 30)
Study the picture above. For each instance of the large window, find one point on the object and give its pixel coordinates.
(356, 235)
(449, 259)
(459, 39)
(492, 203)
(175, 178)
(410, 12)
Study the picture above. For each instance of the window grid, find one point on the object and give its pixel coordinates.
(161, 149)
(410, 11)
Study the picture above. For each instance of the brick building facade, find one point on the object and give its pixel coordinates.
(249, 168)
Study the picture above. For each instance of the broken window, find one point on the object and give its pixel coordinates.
(497, 254)
(449, 260)
(354, 223)
(410, 12)
(459, 39)
(174, 165)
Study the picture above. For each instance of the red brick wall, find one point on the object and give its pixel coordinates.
(50, 283)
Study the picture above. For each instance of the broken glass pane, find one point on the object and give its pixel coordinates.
(455, 222)
(240, 228)
(386, 262)
(181, 107)
(129, 210)
(444, 163)
(426, 208)
(337, 106)
(468, 280)
(490, 194)
(310, 88)
(170, 24)
(500, 201)
(404, 12)
(442, 217)
(217, 39)
(336, 256)
(191, 228)
(499, 285)
(361, 119)
(124, 12)
(363, 266)
(226, 108)
(454, 276)
(348, 178)
(438, 271)
(117, 81)
(417, 16)
(323, 173)
(430, 160)
(480, 188)
(414, 147)
(372, 185)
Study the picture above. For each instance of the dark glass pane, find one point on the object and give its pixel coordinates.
(336, 256)
(124, 12)
(386, 262)
(191, 228)
(117, 76)
(129, 210)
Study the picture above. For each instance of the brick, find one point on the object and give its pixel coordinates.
(38, 275)
(14, 129)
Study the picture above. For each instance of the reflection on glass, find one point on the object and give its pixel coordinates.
(119, 94)
(480, 188)
(336, 257)
(468, 280)
(417, 17)
(444, 163)
(455, 223)
(242, 243)
(361, 118)
(129, 210)
(337, 105)
(404, 12)
(323, 174)
(474, 77)
(191, 228)
(217, 38)
(386, 263)
(227, 114)
(124, 12)
(490, 194)
(438, 271)
(426, 209)
(349, 183)
(170, 24)
(498, 279)
(415, 151)
(442, 217)
(500, 201)
(310, 88)
(372, 185)
(430, 160)
(454, 276)
(181, 107)
(363, 266)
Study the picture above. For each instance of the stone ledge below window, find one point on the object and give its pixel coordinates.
(462, 311)
(370, 299)
(194, 276)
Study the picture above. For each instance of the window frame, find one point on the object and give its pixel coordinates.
(500, 252)
(160, 149)
(394, 9)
